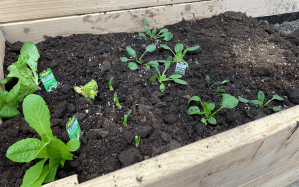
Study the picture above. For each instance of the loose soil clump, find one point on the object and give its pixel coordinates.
(229, 43)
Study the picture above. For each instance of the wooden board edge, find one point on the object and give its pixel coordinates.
(70, 181)
(131, 20)
(231, 158)
(2, 53)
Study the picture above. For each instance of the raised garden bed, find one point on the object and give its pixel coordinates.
(229, 44)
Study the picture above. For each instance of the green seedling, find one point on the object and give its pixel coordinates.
(132, 53)
(116, 100)
(162, 78)
(89, 90)
(218, 89)
(179, 53)
(152, 34)
(52, 151)
(223, 82)
(126, 118)
(110, 83)
(137, 140)
(260, 101)
(27, 80)
(227, 101)
(207, 79)
(254, 62)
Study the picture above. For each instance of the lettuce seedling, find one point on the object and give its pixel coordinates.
(126, 118)
(260, 100)
(137, 140)
(27, 83)
(153, 33)
(132, 53)
(50, 148)
(161, 78)
(116, 100)
(179, 54)
(89, 90)
(110, 83)
(227, 101)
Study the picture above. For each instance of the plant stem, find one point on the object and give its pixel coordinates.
(268, 102)
(215, 112)
(142, 56)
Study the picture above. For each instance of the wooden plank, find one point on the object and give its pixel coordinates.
(131, 20)
(65, 182)
(2, 53)
(231, 158)
(14, 10)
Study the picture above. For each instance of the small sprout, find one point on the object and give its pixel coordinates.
(227, 101)
(116, 100)
(126, 118)
(207, 79)
(218, 89)
(89, 90)
(260, 100)
(254, 62)
(223, 82)
(161, 78)
(132, 53)
(137, 140)
(153, 33)
(110, 83)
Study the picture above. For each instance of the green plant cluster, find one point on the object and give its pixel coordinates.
(89, 91)
(152, 34)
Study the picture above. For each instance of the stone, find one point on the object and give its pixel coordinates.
(170, 119)
(105, 66)
(293, 95)
(129, 157)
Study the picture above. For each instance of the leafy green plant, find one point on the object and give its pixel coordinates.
(227, 101)
(27, 80)
(89, 90)
(179, 53)
(218, 89)
(132, 53)
(137, 140)
(152, 34)
(207, 79)
(50, 148)
(126, 118)
(110, 83)
(116, 100)
(162, 78)
(260, 101)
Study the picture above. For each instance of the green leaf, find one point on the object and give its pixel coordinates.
(261, 97)
(167, 64)
(162, 87)
(167, 36)
(147, 67)
(203, 120)
(73, 145)
(9, 110)
(207, 79)
(41, 178)
(53, 166)
(13, 93)
(151, 48)
(33, 173)
(178, 48)
(229, 101)
(145, 22)
(191, 49)
(175, 76)
(276, 109)
(24, 150)
(132, 66)
(165, 46)
(37, 114)
(277, 97)
(153, 78)
(178, 56)
(255, 103)
(153, 63)
(212, 121)
(141, 34)
(179, 81)
(243, 100)
(225, 81)
(208, 108)
(131, 51)
(30, 49)
(194, 98)
(147, 31)
(154, 32)
(58, 150)
(163, 30)
(194, 110)
(125, 59)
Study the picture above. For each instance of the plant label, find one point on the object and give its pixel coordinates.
(73, 128)
(48, 80)
(180, 67)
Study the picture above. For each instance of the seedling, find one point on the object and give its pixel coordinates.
(110, 83)
(132, 53)
(227, 101)
(137, 140)
(161, 78)
(218, 89)
(126, 118)
(254, 62)
(207, 79)
(260, 100)
(50, 148)
(179, 54)
(116, 100)
(89, 90)
(152, 34)
(223, 82)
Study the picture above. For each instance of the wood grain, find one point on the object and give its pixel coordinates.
(13, 10)
(232, 158)
(2, 53)
(65, 182)
(131, 20)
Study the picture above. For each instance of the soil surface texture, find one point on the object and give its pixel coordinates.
(252, 55)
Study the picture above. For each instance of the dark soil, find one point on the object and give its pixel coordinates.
(228, 43)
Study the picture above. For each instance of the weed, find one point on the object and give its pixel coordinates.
(153, 33)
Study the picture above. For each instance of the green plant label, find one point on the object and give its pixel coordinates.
(73, 128)
(180, 67)
(48, 80)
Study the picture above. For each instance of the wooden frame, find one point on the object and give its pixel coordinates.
(260, 153)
